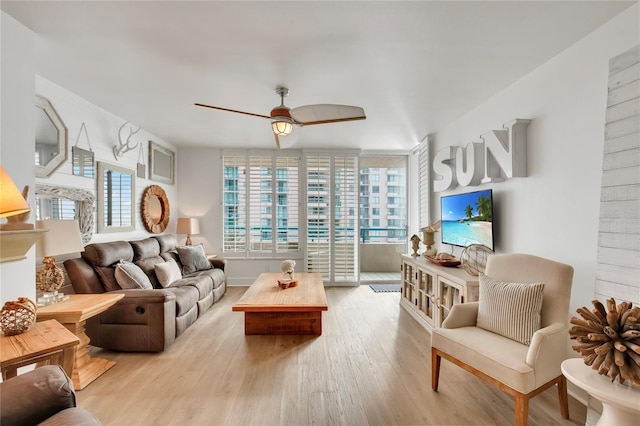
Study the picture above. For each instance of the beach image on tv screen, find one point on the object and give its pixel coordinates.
(467, 219)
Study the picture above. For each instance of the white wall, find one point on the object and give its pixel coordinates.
(200, 194)
(554, 211)
(17, 146)
(102, 128)
(17, 135)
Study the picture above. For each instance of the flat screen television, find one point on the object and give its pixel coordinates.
(467, 218)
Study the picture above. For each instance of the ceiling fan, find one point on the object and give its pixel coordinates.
(283, 118)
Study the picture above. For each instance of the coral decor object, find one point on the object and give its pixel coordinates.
(50, 278)
(609, 339)
(287, 267)
(17, 316)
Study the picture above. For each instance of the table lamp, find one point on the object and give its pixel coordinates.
(189, 226)
(13, 204)
(63, 238)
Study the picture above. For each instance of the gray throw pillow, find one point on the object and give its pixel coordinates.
(129, 275)
(193, 259)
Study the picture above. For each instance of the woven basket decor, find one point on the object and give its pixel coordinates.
(17, 316)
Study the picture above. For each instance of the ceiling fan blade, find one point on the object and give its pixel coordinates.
(307, 115)
(277, 140)
(232, 110)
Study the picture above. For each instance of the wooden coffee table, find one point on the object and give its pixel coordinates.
(73, 314)
(268, 309)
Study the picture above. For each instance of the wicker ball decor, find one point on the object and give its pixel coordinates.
(609, 339)
(17, 316)
(474, 258)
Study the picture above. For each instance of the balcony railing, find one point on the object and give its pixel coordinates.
(367, 234)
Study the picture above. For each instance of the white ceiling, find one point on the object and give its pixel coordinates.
(413, 66)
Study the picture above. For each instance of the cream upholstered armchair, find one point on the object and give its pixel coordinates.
(515, 337)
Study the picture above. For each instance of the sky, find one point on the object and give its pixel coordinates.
(453, 206)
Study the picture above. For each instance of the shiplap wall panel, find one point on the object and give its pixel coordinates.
(623, 93)
(628, 158)
(624, 76)
(626, 192)
(626, 109)
(616, 256)
(623, 143)
(627, 226)
(618, 272)
(623, 127)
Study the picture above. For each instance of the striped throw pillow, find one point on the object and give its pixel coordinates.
(510, 309)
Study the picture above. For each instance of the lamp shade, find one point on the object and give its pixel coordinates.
(11, 200)
(188, 226)
(282, 128)
(63, 238)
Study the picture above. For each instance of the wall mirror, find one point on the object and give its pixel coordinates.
(51, 138)
(60, 203)
(116, 189)
(155, 209)
(161, 163)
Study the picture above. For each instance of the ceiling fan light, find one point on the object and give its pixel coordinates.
(281, 127)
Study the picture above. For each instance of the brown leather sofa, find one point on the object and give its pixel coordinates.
(145, 320)
(44, 396)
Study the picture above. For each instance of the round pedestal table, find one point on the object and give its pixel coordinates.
(620, 403)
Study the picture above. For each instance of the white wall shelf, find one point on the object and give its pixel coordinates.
(14, 245)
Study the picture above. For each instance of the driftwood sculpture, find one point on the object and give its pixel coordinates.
(609, 339)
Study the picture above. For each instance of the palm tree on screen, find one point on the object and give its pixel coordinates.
(484, 208)
(468, 211)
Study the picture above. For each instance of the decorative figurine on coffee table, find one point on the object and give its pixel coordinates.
(287, 267)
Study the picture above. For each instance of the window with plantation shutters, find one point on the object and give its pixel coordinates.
(318, 215)
(345, 254)
(261, 204)
(287, 202)
(332, 217)
(423, 185)
(235, 204)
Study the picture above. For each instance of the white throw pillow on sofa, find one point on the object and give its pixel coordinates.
(167, 272)
(129, 275)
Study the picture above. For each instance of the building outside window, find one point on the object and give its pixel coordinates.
(383, 201)
(261, 205)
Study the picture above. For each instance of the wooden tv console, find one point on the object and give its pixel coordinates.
(429, 291)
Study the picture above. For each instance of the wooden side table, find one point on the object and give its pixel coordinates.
(46, 341)
(73, 314)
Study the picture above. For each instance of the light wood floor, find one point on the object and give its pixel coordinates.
(371, 366)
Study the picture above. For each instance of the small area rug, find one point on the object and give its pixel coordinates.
(385, 288)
